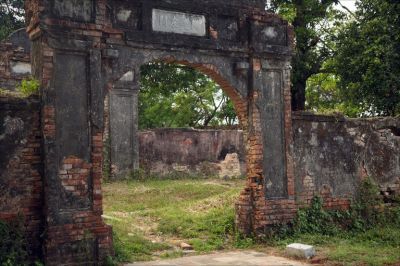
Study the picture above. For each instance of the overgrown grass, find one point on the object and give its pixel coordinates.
(367, 234)
(377, 246)
(151, 218)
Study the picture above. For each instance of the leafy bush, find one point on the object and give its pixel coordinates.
(368, 211)
(29, 87)
(315, 219)
(12, 244)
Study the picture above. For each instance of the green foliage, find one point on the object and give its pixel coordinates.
(324, 97)
(351, 237)
(368, 58)
(315, 219)
(29, 87)
(13, 243)
(367, 209)
(367, 212)
(11, 17)
(314, 24)
(178, 96)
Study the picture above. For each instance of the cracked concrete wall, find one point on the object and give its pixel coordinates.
(333, 154)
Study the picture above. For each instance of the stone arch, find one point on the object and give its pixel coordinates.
(79, 50)
(125, 84)
(209, 69)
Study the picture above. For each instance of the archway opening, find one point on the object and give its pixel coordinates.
(191, 152)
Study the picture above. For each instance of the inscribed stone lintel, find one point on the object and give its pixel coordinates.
(178, 22)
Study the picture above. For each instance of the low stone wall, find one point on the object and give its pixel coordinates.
(194, 152)
(333, 154)
(21, 187)
(15, 62)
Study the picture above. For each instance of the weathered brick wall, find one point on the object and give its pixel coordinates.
(14, 60)
(332, 155)
(21, 187)
(197, 152)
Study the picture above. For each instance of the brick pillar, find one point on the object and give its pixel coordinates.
(72, 99)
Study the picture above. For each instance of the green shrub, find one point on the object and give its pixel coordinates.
(29, 87)
(315, 219)
(368, 211)
(13, 243)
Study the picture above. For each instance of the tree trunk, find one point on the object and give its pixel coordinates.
(299, 95)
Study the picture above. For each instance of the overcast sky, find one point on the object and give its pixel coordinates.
(350, 4)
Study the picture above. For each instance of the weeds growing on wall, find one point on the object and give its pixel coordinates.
(29, 87)
(13, 243)
(368, 211)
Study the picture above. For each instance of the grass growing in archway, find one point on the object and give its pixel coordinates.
(152, 218)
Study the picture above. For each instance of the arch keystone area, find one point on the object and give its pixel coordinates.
(84, 49)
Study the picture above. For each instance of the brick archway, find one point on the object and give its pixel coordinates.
(121, 127)
(79, 50)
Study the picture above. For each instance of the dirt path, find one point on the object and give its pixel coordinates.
(234, 258)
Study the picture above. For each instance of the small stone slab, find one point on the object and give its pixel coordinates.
(300, 250)
(186, 246)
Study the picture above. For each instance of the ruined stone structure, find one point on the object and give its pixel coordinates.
(21, 184)
(15, 62)
(186, 151)
(333, 154)
(87, 55)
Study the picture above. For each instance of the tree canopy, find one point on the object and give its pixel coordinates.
(312, 21)
(347, 63)
(179, 96)
(367, 58)
(11, 17)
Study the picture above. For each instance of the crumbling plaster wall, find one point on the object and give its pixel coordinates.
(333, 154)
(191, 151)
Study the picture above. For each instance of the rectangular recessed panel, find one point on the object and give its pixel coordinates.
(178, 22)
(71, 85)
(122, 126)
(271, 106)
(77, 10)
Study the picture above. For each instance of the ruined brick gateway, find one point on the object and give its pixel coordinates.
(85, 50)
(87, 55)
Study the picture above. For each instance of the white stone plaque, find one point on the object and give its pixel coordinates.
(178, 22)
(21, 68)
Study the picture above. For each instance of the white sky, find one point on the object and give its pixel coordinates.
(350, 4)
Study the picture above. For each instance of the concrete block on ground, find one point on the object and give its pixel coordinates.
(300, 250)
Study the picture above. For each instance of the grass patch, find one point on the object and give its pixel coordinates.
(367, 234)
(151, 218)
(376, 246)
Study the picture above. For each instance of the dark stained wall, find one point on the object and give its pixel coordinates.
(21, 167)
(332, 155)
